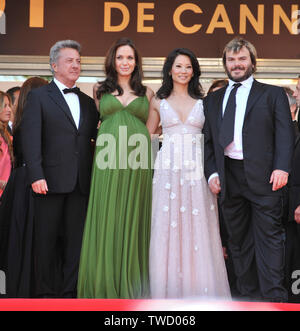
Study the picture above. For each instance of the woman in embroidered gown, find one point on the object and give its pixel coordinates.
(114, 257)
(186, 256)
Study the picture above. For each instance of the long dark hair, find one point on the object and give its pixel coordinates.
(194, 88)
(3, 126)
(28, 85)
(111, 82)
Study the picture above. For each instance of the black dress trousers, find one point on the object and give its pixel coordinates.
(256, 237)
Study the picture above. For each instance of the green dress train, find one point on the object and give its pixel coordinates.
(115, 247)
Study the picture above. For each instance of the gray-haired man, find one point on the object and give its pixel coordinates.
(58, 124)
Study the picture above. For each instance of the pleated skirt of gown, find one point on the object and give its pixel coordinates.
(115, 249)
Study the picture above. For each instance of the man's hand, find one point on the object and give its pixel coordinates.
(40, 187)
(279, 178)
(214, 185)
(297, 215)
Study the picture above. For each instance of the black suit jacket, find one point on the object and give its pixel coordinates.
(54, 149)
(294, 182)
(268, 136)
(9, 130)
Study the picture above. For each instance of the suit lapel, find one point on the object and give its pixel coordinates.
(219, 107)
(57, 97)
(256, 91)
(82, 108)
(297, 140)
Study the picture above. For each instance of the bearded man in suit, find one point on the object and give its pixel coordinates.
(249, 143)
(58, 124)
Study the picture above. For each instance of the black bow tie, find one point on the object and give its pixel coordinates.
(75, 90)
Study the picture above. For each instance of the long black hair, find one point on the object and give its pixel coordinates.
(194, 88)
(110, 84)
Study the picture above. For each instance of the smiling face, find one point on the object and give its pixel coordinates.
(5, 110)
(239, 66)
(125, 61)
(67, 67)
(182, 70)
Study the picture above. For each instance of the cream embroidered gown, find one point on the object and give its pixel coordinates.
(186, 257)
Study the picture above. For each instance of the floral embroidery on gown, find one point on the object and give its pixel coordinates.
(186, 256)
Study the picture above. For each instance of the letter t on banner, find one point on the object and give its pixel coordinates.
(2, 5)
(36, 17)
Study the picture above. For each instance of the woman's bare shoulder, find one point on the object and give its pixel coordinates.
(149, 93)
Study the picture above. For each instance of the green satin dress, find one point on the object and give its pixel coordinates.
(115, 248)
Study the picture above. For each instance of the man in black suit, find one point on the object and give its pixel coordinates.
(293, 107)
(293, 218)
(58, 125)
(249, 142)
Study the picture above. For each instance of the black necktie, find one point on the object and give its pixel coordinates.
(75, 90)
(227, 128)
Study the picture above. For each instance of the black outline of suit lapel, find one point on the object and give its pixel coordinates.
(256, 91)
(82, 111)
(297, 139)
(219, 108)
(57, 97)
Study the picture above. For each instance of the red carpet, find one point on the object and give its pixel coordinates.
(139, 305)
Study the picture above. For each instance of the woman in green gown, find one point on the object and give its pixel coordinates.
(114, 255)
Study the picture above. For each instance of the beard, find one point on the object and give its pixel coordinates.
(247, 74)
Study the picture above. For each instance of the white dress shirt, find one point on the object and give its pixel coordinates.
(72, 101)
(235, 149)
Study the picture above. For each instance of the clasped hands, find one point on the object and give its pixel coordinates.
(279, 179)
